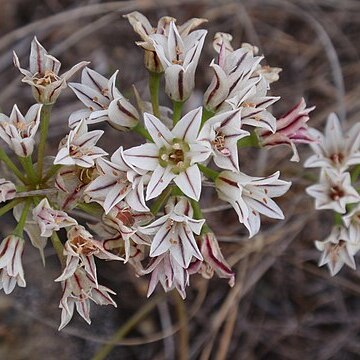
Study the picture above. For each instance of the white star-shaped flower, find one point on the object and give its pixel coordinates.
(333, 149)
(43, 74)
(173, 155)
(252, 196)
(337, 250)
(174, 232)
(19, 131)
(334, 191)
(79, 147)
(104, 102)
(221, 134)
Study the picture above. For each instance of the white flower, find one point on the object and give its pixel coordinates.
(221, 133)
(174, 232)
(78, 290)
(80, 249)
(254, 101)
(291, 128)
(50, 220)
(166, 270)
(11, 270)
(333, 149)
(43, 75)
(334, 191)
(251, 196)
(337, 250)
(104, 102)
(172, 156)
(118, 180)
(179, 56)
(142, 26)
(19, 131)
(352, 222)
(236, 84)
(7, 190)
(79, 147)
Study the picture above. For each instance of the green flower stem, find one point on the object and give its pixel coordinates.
(92, 209)
(154, 85)
(52, 171)
(160, 201)
(338, 219)
(9, 206)
(209, 173)
(106, 349)
(5, 158)
(250, 141)
(143, 132)
(355, 173)
(58, 247)
(28, 166)
(198, 215)
(44, 127)
(177, 109)
(206, 115)
(19, 230)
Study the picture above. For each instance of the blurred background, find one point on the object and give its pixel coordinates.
(282, 305)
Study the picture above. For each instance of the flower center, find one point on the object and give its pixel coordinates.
(82, 246)
(48, 78)
(87, 175)
(219, 143)
(337, 159)
(336, 192)
(126, 217)
(175, 156)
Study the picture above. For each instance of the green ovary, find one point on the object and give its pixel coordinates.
(175, 156)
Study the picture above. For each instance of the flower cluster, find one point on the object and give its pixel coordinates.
(145, 200)
(338, 157)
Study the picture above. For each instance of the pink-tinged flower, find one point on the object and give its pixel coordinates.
(172, 156)
(78, 290)
(103, 101)
(19, 131)
(11, 270)
(43, 74)
(352, 222)
(334, 191)
(334, 149)
(50, 220)
(179, 55)
(118, 180)
(174, 232)
(80, 249)
(127, 223)
(78, 148)
(142, 26)
(71, 182)
(252, 196)
(166, 270)
(7, 190)
(221, 134)
(337, 250)
(291, 129)
(214, 259)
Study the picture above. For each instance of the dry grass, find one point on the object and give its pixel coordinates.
(282, 306)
